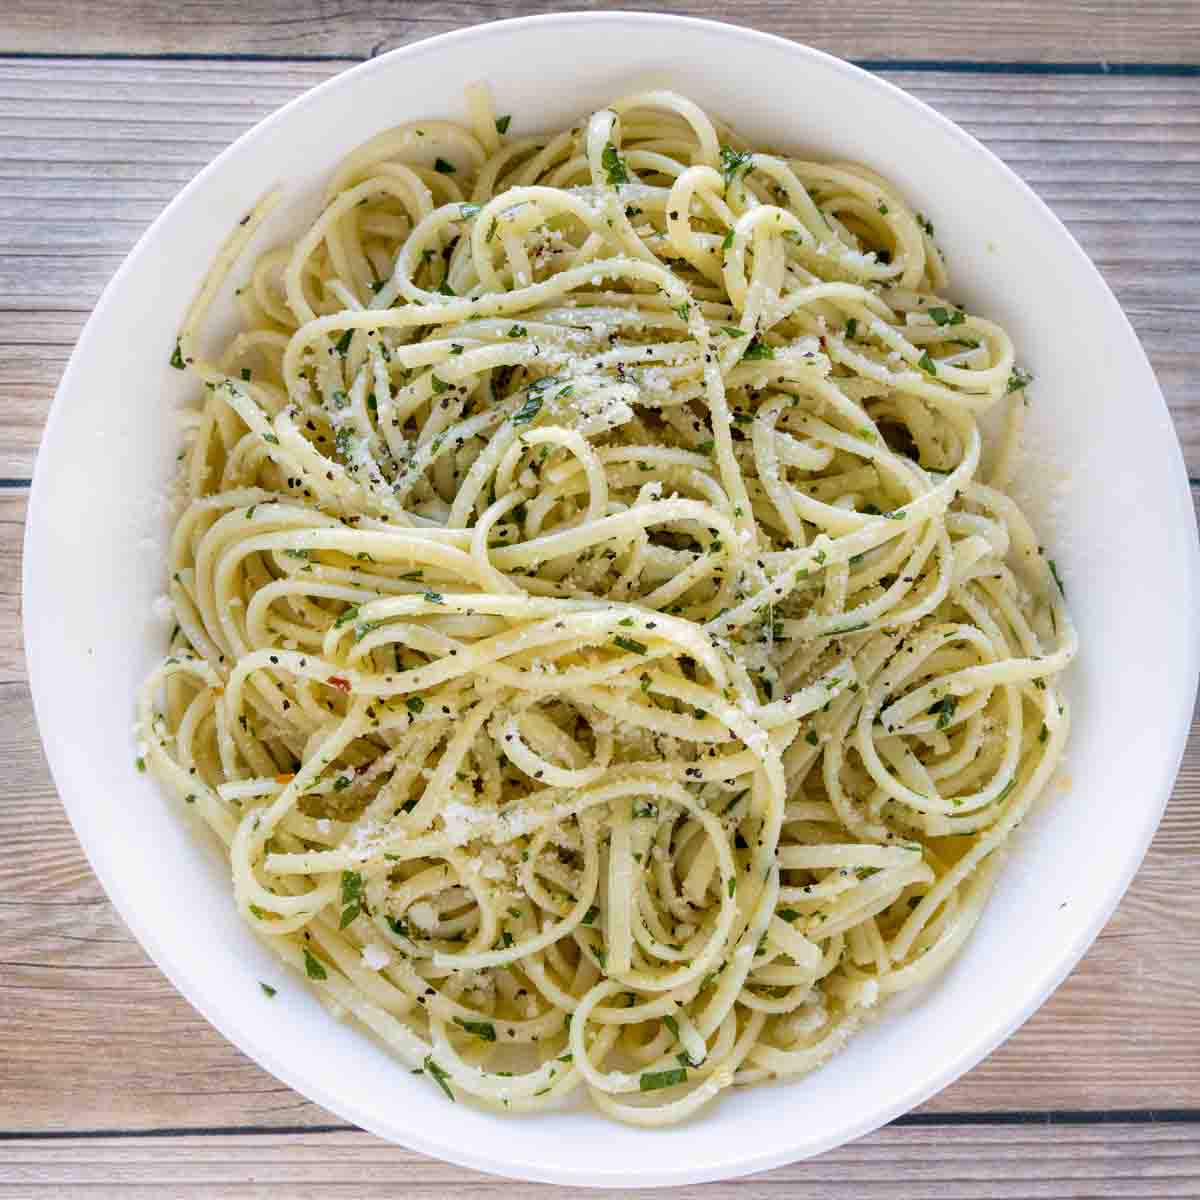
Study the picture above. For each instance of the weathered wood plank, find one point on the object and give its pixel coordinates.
(90, 152)
(1114, 30)
(1110, 1162)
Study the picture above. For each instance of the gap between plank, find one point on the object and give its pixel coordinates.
(1082, 1116)
(950, 65)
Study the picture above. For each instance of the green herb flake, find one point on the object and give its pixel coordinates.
(268, 990)
(788, 914)
(733, 161)
(502, 123)
(651, 1081)
(177, 357)
(246, 374)
(851, 329)
(1057, 577)
(1020, 378)
(414, 704)
(727, 241)
(518, 331)
(433, 597)
(343, 343)
(673, 1025)
(945, 709)
(811, 738)
(440, 1075)
(614, 166)
(883, 209)
(313, 967)
(481, 1029)
(590, 916)
(442, 167)
(529, 410)
(352, 885)
(682, 310)
(947, 316)
(926, 363)
(757, 351)
(631, 644)
(439, 385)
(731, 886)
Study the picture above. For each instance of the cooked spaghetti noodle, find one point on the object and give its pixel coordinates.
(601, 647)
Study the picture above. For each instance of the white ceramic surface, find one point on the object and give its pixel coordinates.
(1120, 525)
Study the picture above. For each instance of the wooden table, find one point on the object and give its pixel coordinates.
(110, 1085)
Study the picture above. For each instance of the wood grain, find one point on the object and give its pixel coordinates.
(94, 1037)
(1109, 30)
(91, 152)
(1113, 1162)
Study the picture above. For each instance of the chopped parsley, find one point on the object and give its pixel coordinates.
(590, 916)
(733, 161)
(268, 990)
(757, 350)
(926, 363)
(467, 211)
(481, 1029)
(1020, 378)
(1057, 578)
(433, 597)
(352, 905)
(631, 644)
(518, 331)
(614, 166)
(682, 310)
(313, 967)
(851, 328)
(343, 343)
(811, 738)
(440, 1075)
(439, 385)
(442, 167)
(177, 357)
(415, 704)
(651, 1081)
(945, 709)
(502, 123)
(947, 316)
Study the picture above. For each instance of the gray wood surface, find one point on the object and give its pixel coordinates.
(110, 1085)
(1113, 1162)
(1109, 30)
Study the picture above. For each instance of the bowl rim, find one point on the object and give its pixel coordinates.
(743, 1161)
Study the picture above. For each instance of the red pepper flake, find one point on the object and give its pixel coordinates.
(284, 778)
(343, 685)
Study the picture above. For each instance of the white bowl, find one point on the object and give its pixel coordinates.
(1121, 528)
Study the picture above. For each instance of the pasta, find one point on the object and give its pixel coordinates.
(604, 646)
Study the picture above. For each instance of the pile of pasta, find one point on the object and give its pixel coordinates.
(599, 644)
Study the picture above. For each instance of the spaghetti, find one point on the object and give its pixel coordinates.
(601, 647)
